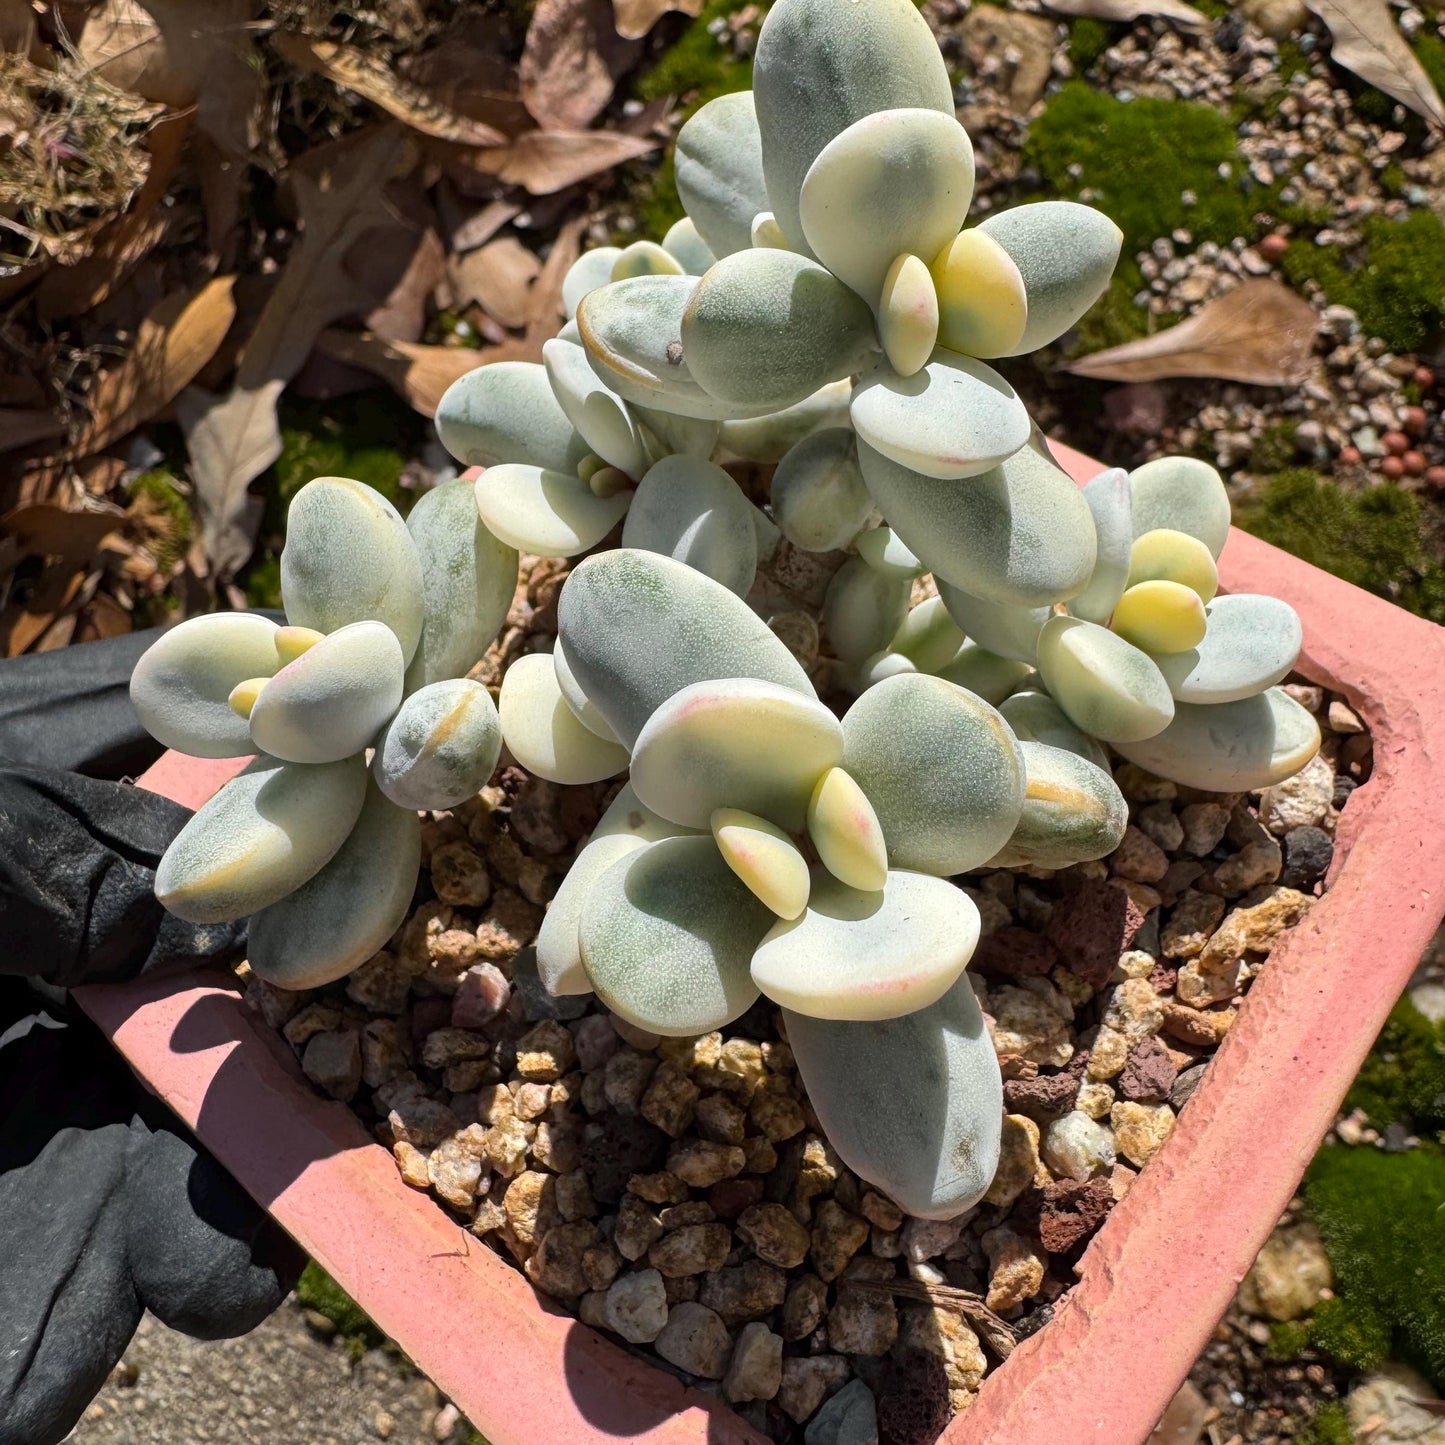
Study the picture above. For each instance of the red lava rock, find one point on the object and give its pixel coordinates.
(1163, 977)
(1396, 443)
(1013, 952)
(913, 1402)
(1139, 407)
(1350, 456)
(1392, 467)
(481, 995)
(1072, 1211)
(1091, 927)
(1044, 1099)
(730, 1197)
(1435, 476)
(1413, 420)
(1273, 247)
(1414, 463)
(428, 1015)
(1148, 1074)
(1423, 377)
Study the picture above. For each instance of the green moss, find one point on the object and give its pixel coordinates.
(1138, 158)
(1213, 9)
(1394, 287)
(169, 503)
(698, 65)
(1331, 1426)
(1377, 1212)
(652, 199)
(1274, 447)
(1289, 1340)
(1430, 52)
(1293, 61)
(1088, 40)
(1403, 1079)
(318, 1291)
(1369, 537)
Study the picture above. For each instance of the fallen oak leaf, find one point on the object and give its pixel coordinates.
(179, 336)
(545, 161)
(1261, 332)
(418, 374)
(571, 61)
(634, 18)
(1367, 41)
(544, 302)
(412, 104)
(497, 278)
(1185, 16)
(22, 426)
(232, 440)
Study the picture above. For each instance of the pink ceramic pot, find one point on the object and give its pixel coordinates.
(1154, 1280)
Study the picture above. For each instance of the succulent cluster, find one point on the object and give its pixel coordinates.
(822, 312)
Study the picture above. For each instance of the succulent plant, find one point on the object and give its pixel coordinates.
(822, 312)
(383, 617)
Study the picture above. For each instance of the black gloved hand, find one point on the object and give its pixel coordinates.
(108, 1205)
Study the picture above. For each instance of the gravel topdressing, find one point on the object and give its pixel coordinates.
(679, 1194)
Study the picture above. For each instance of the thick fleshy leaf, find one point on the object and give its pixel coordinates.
(468, 576)
(1001, 627)
(550, 514)
(820, 500)
(506, 412)
(908, 315)
(1106, 686)
(884, 551)
(599, 414)
(735, 743)
(768, 438)
(639, 627)
(628, 816)
(874, 955)
(819, 67)
(589, 271)
(863, 608)
(1065, 253)
(333, 699)
(1108, 498)
(645, 258)
(1167, 556)
(845, 830)
(291, 642)
(955, 418)
(767, 328)
(1019, 534)
(559, 948)
(1251, 642)
(1073, 812)
(897, 182)
(766, 234)
(667, 934)
(941, 768)
(1161, 617)
(1036, 718)
(261, 837)
(693, 511)
(719, 163)
(583, 708)
(914, 1105)
(982, 304)
(1231, 747)
(685, 244)
(872, 670)
(985, 673)
(928, 636)
(1184, 495)
(349, 558)
(765, 858)
(668, 435)
(180, 686)
(544, 734)
(343, 914)
(440, 748)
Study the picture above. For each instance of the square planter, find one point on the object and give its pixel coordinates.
(1153, 1281)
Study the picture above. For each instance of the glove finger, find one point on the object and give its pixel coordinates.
(205, 1258)
(67, 1305)
(77, 873)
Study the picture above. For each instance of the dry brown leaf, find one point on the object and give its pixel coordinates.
(571, 61)
(1368, 42)
(544, 161)
(544, 302)
(20, 427)
(74, 290)
(419, 374)
(68, 541)
(1261, 332)
(1185, 16)
(172, 344)
(412, 104)
(232, 440)
(17, 29)
(634, 18)
(467, 232)
(496, 278)
(181, 53)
